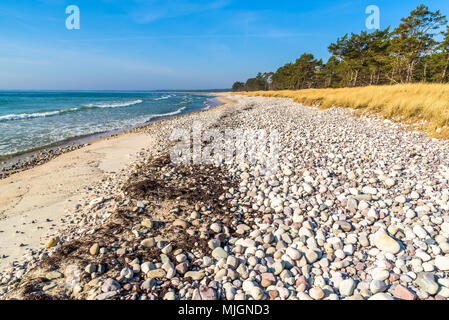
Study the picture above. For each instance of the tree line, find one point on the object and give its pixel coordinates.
(408, 53)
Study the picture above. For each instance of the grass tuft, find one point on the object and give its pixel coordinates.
(406, 103)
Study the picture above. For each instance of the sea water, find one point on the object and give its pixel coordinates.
(29, 120)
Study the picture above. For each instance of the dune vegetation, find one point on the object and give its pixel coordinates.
(401, 73)
(423, 105)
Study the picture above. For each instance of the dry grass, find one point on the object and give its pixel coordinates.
(425, 106)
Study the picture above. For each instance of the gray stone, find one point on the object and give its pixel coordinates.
(219, 253)
(347, 287)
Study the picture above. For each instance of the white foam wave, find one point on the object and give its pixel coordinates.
(164, 97)
(21, 116)
(168, 114)
(114, 104)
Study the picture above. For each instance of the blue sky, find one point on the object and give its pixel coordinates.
(169, 44)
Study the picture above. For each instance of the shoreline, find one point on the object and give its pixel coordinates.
(27, 159)
(343, 215)
(35, 200)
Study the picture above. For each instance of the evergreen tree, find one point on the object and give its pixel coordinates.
(256, 84)
(444, 47)
(409, 53)
(413, 39)
(283, 77)
(238, 86)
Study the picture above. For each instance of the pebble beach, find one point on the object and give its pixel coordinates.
(357, 208)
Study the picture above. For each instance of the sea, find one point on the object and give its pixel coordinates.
(33, 120)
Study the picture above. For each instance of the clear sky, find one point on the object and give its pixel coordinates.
(171, 44)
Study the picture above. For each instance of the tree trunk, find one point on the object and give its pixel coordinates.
(355, 78)
(425, 72)
(410, 70)
(445, 71)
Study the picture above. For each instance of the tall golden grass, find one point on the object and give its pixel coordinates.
(422, 104)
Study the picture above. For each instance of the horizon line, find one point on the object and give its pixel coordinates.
(111, 90)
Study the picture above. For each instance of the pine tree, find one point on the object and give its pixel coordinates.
(444, 47)
(238, 86)
(413, 39)
(408, 53)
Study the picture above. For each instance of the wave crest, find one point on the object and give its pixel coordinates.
(22, 116)
(114, 104)
(168, 113)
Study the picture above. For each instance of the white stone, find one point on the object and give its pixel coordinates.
(377, 286)
(390, 182)
(381, 296)
(307, 188)
(442, 263)
(347, 287)
(420, 231)
(380, 274)
(293, 253)
(386, 243)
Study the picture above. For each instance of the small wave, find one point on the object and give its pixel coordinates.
(168, 114)
(164, 97)
(114, 105)
(22, 116)
(209, 103)
(186, 100)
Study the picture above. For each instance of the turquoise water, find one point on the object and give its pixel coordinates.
(29, 120)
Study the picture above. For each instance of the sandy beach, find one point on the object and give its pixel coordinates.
(355, 210)
(35, 201)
